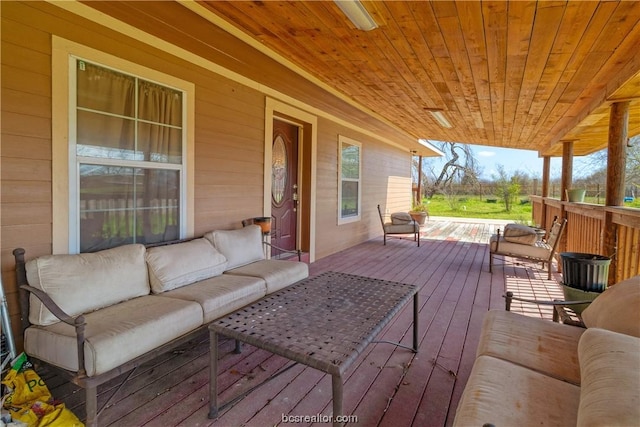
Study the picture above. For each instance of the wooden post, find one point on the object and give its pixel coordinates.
(616, 163)
(567, 174)
(419, 195)
(546, 168)
(567, 168)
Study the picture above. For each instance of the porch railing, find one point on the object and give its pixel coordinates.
(585, 231)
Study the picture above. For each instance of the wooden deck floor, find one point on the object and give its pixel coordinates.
(387, 386)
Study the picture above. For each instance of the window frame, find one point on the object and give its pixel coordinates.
(65, 163)
(342, 141)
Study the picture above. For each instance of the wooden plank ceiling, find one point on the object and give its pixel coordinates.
(514, 74)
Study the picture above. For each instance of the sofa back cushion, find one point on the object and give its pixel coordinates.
(86, 282)
(616, 309)
(240, 247)
(180, 264)
(520, 233)
(610, 385)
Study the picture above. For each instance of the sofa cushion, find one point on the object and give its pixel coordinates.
(239, 247)
(616, 309)
(173, 266)
(276, 273)
(77, 283)
(115, 335)
(544, 346)
(519, 233)
(399, 218)
(505, 394)
(610, 389)
(221, 295)
(540, 250)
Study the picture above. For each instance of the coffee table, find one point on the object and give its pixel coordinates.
(323, 322)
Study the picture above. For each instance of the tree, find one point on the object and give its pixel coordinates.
(461, 167)
(507, 187)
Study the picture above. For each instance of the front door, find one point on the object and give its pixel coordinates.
(284, 186)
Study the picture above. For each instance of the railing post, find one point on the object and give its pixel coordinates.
(616, 163)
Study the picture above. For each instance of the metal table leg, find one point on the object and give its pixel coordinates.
(213, 374)
(336, 386)
(416, 309)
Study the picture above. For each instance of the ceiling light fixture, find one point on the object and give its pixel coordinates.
(356, 12)
(440, 118)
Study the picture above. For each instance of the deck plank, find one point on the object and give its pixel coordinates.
(386, 386)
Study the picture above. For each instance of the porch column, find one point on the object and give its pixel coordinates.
(616, 163)
(567, 174)
(546, 168)
(567, 168)
(419, 195)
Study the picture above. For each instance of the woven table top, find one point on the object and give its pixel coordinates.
(324, 321)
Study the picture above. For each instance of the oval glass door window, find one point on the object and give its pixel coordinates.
(278, 170)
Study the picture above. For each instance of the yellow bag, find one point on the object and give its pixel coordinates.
(30, 401)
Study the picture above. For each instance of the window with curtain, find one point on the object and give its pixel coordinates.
(349, 187)
(128, 150)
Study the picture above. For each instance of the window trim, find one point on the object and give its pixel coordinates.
(349, 219)
(64, 53)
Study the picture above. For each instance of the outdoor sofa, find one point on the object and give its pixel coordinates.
(530, 371)
(94, 316)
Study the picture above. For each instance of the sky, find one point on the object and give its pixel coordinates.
(518, 160)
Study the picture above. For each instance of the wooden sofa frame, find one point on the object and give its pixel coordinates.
(90, 384)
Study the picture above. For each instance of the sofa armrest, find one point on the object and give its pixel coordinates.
(77, 322)
(557, 304)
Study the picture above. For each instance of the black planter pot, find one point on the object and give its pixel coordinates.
(588, 272)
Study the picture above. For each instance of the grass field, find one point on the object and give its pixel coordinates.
(490, 207)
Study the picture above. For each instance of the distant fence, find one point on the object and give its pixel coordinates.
(595, 193)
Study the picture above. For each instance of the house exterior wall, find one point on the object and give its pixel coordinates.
(229, 143)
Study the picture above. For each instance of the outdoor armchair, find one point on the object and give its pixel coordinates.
(399, 223)
(516, 244)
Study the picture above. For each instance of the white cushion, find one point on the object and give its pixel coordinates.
(547, 347)
(173, 266)
(506, 394)
(275, 272)
(519, 233)
(399, 218)
(115, 335)
(221, 295)
(616, 309)
(240, 247)
(85, 282)
(610, 388)
(540, 250)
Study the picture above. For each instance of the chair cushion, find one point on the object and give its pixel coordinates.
(173, 266)
(115, 335)
(519, 233)
(221, 295)
(276, 273)
(400, 218)
(412, 227)
(239, 247)
(539, 250)
(610, 389)
(77, 283)
(616, 309)
(505, 394)
(547, 347)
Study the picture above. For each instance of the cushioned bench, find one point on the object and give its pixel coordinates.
(94, 316)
